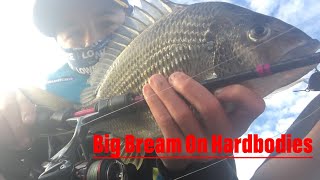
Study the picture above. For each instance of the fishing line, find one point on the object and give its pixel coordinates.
(57, 134)
(170, 87)
(201, 169)
(297, 122)
(233, 58)
(229, 60)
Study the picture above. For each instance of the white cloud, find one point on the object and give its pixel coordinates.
(247, 166)
(283, 124)
(289, 11)
(296, 11)
(264, 7)
(268, 134)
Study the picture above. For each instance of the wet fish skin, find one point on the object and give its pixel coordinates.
(192, 39)
(201, 40)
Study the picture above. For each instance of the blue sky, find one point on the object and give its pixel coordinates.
(283, 107)
(28, 56)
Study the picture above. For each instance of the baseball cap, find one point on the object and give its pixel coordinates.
(48, 14)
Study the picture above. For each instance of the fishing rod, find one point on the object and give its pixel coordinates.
(263, 70)
(64, 162)
(133, 102)
(128, 103)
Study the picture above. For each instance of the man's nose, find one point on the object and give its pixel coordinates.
(89, 38)
(91, 35)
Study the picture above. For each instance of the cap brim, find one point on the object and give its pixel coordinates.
(48, 13)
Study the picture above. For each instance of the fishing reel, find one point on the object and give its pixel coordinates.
(313, 83)
(74, 161)
(101, 170)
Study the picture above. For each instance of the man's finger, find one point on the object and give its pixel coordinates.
(179, 110)
(161, 114)
(215, 120)
(247, 105)
(167, 125)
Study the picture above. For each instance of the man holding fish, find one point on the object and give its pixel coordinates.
(87, 26)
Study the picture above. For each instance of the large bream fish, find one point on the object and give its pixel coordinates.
(203, 40)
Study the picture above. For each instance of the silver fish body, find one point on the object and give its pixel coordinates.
(202, 40)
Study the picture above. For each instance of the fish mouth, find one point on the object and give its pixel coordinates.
(290, 78)
(302, 49)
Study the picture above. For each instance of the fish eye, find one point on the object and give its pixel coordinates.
(259, 33)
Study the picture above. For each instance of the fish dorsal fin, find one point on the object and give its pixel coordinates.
(174, 6)
(142, 17)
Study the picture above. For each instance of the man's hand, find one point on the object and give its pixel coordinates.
(17, 113)
(176, 119)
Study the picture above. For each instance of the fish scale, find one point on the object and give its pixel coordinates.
(182, 35)
(162, 37)
(202, 40)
